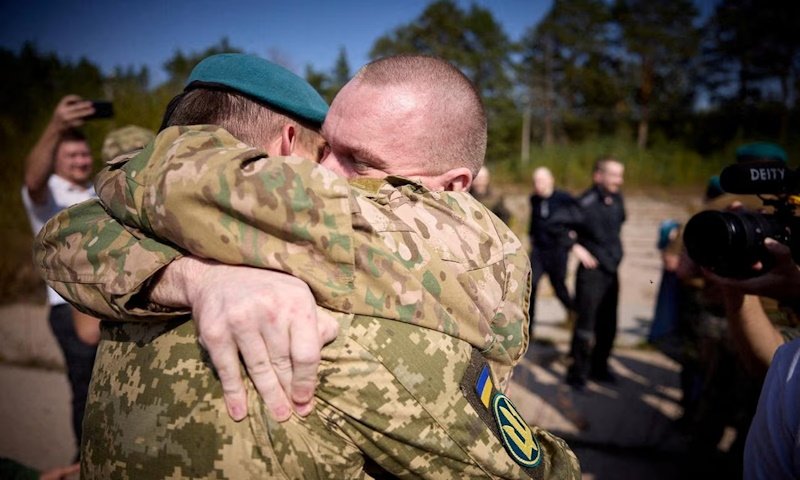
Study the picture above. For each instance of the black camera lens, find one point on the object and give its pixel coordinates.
(729, 243)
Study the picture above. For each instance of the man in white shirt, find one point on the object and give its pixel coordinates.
(58, 174)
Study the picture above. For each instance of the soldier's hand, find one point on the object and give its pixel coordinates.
(71, 111)
(268, 317)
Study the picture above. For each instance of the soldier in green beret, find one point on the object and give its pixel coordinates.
(428, 288)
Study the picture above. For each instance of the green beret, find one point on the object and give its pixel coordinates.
(262, 81)
(760, 151)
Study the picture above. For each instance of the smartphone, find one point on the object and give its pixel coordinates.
(102, 109)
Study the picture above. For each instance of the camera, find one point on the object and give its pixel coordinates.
(730, 243)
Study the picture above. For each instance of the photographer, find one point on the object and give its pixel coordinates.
(740, 262)
(771, 450)
(58, 174)
(756, 334)
(751, 269)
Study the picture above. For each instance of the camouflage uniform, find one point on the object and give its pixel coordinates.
(123, 140)
(387, 257)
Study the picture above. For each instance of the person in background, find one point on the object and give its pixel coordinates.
(735, 328)
(665, 316)
(481, 189)
(599, 250)
(771, 448)
(125, 140)
(553, 215)
(58, 174)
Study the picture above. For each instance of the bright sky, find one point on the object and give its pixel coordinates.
(148, 32)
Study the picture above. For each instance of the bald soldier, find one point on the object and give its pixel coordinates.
(428, 287)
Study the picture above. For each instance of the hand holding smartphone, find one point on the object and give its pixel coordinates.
(102, 109)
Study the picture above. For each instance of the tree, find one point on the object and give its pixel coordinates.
(341, 70)
(568, 70)
(751, 54)
(134, 103)
(473, 41)
(661, 39)
(180, 65)
(328, 84)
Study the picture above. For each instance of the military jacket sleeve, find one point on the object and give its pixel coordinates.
(100, 266)
(201, 189)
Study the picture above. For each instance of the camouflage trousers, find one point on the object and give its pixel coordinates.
(390, 393)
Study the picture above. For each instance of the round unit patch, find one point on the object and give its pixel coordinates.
(515, 433)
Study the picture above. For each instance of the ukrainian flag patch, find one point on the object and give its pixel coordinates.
(501, 416)
(516, 434)
(484, 386)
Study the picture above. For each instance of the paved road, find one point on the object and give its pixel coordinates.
(34, 403)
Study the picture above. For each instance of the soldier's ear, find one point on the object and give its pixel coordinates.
(454, 180)
(288, 140)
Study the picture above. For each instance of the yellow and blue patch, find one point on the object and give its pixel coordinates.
(484, 387)
(515, 434)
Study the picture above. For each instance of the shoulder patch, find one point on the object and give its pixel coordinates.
(517, 436)
(501, 416)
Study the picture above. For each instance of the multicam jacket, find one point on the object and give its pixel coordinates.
(390, 249)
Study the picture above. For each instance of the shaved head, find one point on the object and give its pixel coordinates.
(543, 182)
(440, 106)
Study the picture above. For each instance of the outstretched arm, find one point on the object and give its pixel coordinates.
(69, 113)
(203, 191)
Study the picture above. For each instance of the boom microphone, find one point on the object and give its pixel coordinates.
(771, 177)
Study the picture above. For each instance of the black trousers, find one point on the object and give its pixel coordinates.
(596, 297)
(553, 262)
(79, 359)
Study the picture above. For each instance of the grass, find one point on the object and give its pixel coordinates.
(667, 165)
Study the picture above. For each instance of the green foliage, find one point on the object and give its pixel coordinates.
(572, 79)
(329, 84)
(181, 65)
(661, 40)
(666, 164)
(475, 42)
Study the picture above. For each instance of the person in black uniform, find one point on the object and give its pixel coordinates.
(599, 249)
(553, 215)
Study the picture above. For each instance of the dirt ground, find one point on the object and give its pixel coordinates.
(34, 404)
